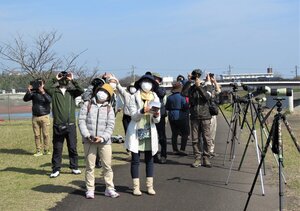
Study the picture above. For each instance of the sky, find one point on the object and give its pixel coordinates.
(170, 37)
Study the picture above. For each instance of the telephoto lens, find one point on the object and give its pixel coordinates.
(281, 92)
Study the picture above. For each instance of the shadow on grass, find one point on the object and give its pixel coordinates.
(15, 151)
(26, 170)
(50, 188)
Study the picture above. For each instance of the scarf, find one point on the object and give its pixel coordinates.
(147, 97)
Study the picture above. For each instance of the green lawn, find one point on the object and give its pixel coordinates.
(25, 182)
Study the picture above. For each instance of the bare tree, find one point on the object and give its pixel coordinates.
(39, 60)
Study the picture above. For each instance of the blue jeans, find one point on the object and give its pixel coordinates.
(135, 162)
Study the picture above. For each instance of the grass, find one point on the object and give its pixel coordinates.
(25, 182)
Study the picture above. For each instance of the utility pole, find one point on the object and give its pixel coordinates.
(229, 70)
(296, 70)
(133, 73)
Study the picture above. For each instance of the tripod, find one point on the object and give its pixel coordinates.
(263, 131)
(234, 120)
(233, 125)
(253, 133)
(276, 136)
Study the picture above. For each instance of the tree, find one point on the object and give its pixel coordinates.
(38, 60)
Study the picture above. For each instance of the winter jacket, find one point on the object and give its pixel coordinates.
(63, 106)
(177, 107)
(40, 103)
(198, 100)
(96, 121)
(135, 108)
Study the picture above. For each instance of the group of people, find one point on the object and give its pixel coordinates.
(145, 108)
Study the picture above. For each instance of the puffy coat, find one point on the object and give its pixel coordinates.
(135, 107)
(96, 121)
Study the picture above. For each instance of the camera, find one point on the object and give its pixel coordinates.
(36, 84)
(248, 88)
(275, 92)
(211, 75)
(234, 85)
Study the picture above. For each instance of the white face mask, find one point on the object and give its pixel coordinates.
(113, 85)
(101, 96)
(132, 90)
(146, 86)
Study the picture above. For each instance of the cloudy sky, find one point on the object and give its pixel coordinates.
(166, 36)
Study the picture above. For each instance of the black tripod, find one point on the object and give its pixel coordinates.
(264, 131)
(235, 121)
(276, 136)
(233, 132)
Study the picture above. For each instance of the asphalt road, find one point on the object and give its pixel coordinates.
(180, 187)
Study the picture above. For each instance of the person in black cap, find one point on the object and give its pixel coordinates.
(141, 133)
(199, 96)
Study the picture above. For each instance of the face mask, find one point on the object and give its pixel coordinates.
(132, 90)
(113, 85)
(101, 96)
(146, 86)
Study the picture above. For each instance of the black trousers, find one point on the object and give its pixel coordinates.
(161, 131)
(135, 163)
(126, 120)
(179, 127)
(58, 143)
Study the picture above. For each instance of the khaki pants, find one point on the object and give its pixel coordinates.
(201, 129)
(105, 152)
(41, 125)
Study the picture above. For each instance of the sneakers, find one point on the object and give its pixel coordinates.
(89, 194)
(196, 163)
(111, 193)
(38, 153)
(54, 174)
(76, 171)
(207, 163)
(47, 152)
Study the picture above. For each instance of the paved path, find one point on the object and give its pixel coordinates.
(180, 187)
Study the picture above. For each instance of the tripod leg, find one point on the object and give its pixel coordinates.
(232, 120)
(263, 155)
(258, 158)
(288, 127)
(280, 160)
